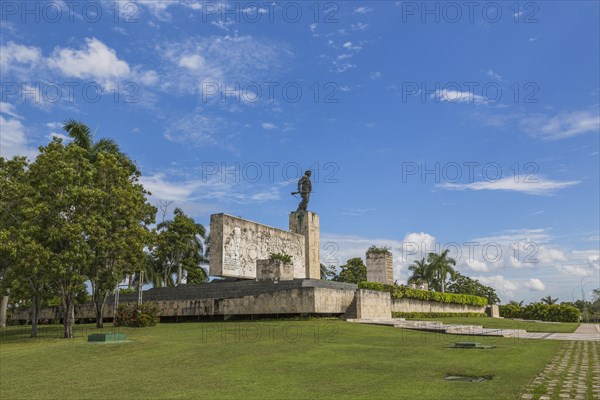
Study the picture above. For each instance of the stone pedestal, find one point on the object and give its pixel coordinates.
(380, 267)
(274, 270)
(306, 223)
(493, 311)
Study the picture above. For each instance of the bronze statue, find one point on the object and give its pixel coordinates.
(304, 189)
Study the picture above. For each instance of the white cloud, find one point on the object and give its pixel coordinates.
(65, 138)
(268, 126)
(54, 125)
(476, 265)
(535, 285)
(541, 187)
(493, 75)
(375, 75)
(454, 96)
(208, 190)
(219, 63)
(13, 139)
(355, 212)
(94, 61)
(197, 128)
(562, 125)
(359, 26)
(16, 56)
(193, 62)
(9, 109)
(504, 287)
(572, 270)
(362, 10)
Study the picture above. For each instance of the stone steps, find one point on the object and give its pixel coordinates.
(428, 326)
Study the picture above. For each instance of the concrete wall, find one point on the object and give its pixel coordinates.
(371, 304)
(232, 298)
(306, 223)
(299, 296)
(236, 244)
(413, 305)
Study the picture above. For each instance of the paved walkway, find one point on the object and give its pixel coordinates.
(573, 374)
(585, 333)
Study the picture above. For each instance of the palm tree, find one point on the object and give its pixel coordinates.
(421, 273)
(549, 300)
(181, 245)
(83, 137)
(441, 266)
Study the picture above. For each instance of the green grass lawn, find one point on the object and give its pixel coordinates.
(266, 360)
(501, 323)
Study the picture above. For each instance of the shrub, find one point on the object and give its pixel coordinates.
(134, 315)
(379, 250)
(418, 315)
(283, 257)
(541, 311)
(398, 292)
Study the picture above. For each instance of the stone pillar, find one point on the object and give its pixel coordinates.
(493, 311)
(306, 223)
(380, 267)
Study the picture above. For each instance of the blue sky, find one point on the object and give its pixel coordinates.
(474, 129)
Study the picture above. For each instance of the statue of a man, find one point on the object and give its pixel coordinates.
(304, 189)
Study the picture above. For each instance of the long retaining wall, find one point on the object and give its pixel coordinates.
(246, 298)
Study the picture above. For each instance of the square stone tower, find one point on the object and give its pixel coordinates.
(380, 267)
(306, 223)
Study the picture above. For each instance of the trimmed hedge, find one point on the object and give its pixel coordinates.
(418, 315)
(398, 292)
(542, 312)
(131, 314)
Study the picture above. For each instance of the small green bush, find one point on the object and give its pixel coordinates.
(418, 315)
(398, 292)
(133, 315)
(379, 250)
(283, 257)
(541, 311)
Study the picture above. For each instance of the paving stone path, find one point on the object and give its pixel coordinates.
(574, 373)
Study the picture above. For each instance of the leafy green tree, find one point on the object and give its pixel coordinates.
(461, 284)
(12, 191)
(329, 273)
(179, 249)
(119, 231)
(441, 267)
(58, 216)
(354, 271)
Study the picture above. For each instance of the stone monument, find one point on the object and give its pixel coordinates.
(306, 223)
(380, 267)
(236, 245)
